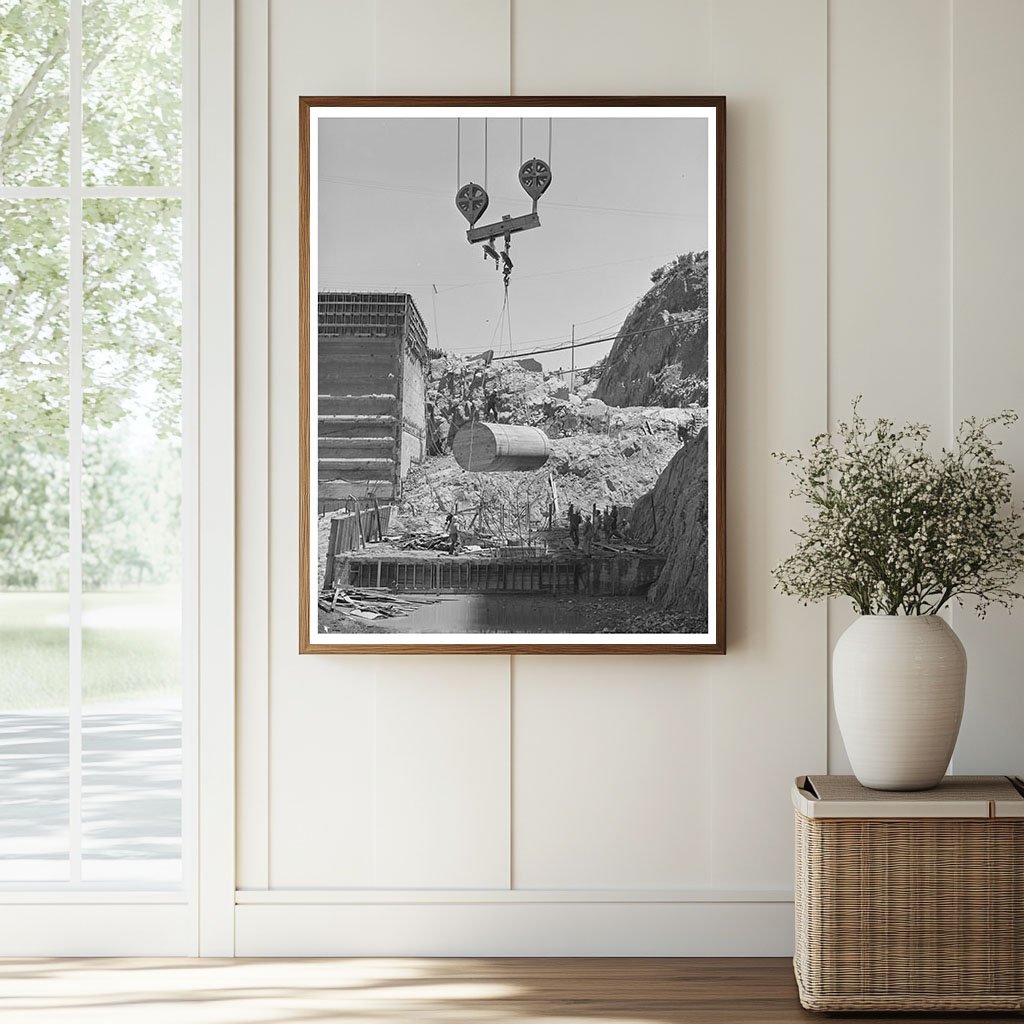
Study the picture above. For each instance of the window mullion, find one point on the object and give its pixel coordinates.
(75, 336)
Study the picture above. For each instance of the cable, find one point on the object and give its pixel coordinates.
(603, 315)
(437, 329)
(520, 142)
(592, 341)
(584, 207)
(499, 323)
(532, 341)
(556, 273)
(485, 154)
(549, 141)
(508, 318)
(357, 285)
(458, 153)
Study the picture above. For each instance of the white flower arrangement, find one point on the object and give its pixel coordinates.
(900, 530)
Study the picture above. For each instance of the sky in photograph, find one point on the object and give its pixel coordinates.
(627, 195)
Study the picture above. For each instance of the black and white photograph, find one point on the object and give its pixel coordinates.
(512, 401)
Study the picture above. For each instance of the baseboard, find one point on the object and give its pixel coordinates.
(97, 929)
(519, 928)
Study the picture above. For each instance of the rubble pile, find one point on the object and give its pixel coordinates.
(511, 391)
(611, 468)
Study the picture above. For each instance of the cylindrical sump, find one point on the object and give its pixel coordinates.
(500, 448)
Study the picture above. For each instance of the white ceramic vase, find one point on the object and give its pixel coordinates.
(898, 684)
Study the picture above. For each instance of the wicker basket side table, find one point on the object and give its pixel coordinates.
(910, 901)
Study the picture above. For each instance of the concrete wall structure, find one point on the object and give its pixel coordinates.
(371, 366)
(414, 403)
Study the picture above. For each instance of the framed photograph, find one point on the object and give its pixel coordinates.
(512, 375)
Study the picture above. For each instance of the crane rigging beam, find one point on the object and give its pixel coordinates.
(506, 226)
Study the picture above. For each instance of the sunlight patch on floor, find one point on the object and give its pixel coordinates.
(130, 991)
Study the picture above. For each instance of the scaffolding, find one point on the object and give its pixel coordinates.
(372, 314)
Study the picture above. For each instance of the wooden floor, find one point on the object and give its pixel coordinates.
(382, 991)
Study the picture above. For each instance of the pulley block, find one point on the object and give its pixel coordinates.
(471, 201)
(535, 176)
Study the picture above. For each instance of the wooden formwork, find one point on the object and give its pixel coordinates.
(466, 574)
(462, 576)
(354, 529)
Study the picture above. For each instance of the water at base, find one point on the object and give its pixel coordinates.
(520, 613)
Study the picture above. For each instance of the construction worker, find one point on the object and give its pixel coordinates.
(490, 405)
(437, 430)
(460, 416)
(453, 533)
(574, 525)
(587, 534)
(613, 522)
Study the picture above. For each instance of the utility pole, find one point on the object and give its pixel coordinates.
(572, 375)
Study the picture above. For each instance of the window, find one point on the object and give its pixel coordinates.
(95, 463)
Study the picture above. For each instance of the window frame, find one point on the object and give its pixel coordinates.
(155, 919)
(75, 194)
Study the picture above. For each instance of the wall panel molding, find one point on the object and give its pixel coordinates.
(252, 198)
(768, 694)
(217, 454)
(360, 897)
(523, 929)
(986, 371)
(889, 237)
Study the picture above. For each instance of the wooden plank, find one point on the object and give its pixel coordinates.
(380, 525)
(332, 547)
(359, 525)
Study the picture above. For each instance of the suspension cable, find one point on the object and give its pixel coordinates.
(499, 324)
(549, 142)
(520, 142)
(508, 320)
(485, 154)
(458, 153)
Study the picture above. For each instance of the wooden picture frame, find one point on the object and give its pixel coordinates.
(367, 334)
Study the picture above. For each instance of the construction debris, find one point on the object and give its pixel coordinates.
(366, 604)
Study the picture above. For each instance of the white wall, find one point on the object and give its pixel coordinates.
(542, 805)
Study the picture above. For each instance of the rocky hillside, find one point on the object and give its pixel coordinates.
(673, 518)
(660, 356)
